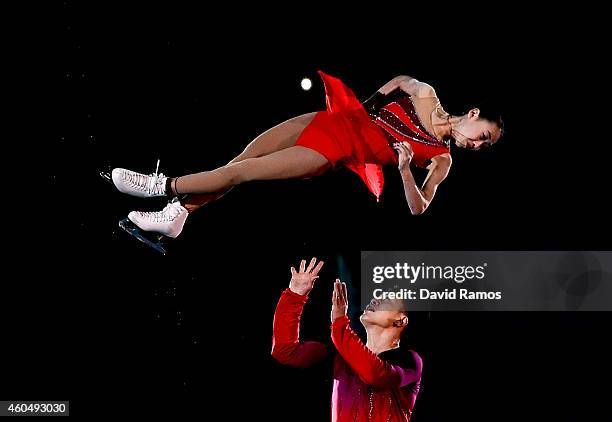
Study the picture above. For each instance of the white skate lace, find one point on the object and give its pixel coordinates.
(168, 214)
(152, 184)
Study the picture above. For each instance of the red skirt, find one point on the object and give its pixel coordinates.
(346, 134)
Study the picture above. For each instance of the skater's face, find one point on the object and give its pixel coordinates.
(384, 313)
(475, 132)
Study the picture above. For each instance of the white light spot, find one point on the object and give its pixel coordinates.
(306, 84)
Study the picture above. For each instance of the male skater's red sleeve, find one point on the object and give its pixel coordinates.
(371, 369)
(286, 346)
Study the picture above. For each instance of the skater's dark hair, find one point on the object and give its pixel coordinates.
(494, 116)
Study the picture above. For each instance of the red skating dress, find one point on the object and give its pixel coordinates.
(345, 133)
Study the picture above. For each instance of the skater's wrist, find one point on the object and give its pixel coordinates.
(297, 293)
(405, 172)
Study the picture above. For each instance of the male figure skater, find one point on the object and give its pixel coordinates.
(375, 381)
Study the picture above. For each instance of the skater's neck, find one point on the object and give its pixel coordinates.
(380, 339)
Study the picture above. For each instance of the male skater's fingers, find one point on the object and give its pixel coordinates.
(344, 294)
(311, 265)
(318, 268)
(293, 271)
(337, 291)
(341, 292)
(302, 265)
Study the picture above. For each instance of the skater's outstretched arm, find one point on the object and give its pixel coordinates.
(286, 346)
(409, 85)
(405, 83)
(419, 199)
(367, 365)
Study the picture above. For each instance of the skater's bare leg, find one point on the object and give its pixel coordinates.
(193, 202)
(275, 139)
(273, 155)
(293, 162)
(281, 136)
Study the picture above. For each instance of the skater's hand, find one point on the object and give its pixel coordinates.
(404, 149)
(339, 300)
(302, 281)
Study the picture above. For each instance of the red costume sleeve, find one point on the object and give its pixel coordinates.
(368, 366)
(286, 347)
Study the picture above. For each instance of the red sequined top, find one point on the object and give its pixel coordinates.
(345, 133)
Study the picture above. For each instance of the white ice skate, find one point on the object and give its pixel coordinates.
(169, 221)
(138, 184)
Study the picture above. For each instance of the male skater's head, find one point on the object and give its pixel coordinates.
(384, 321)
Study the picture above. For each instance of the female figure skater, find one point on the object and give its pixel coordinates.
(403, 123)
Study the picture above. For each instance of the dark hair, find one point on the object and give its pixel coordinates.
(495, 118)
(492, 114)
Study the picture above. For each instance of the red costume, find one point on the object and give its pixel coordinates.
(366, 387)
(346, 133)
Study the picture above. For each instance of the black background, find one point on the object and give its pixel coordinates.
(100, 320)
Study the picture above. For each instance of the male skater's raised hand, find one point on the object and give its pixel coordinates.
(302, 281)
(286, 345)
(339, 300)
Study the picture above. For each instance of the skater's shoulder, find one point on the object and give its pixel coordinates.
(406, 358)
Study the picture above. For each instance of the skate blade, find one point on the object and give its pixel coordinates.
(107, 175)
(152, 240)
